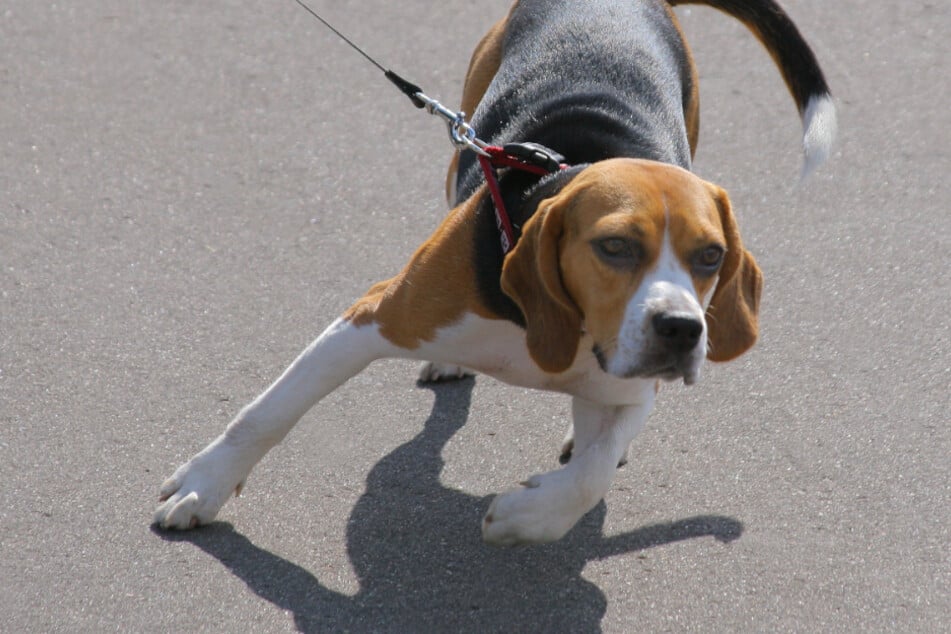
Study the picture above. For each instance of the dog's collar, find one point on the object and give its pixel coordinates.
(526, 157)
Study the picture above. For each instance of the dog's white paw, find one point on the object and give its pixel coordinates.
(542, 511)
(436, 372)
(198, 489)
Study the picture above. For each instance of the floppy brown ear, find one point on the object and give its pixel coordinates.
(531, 276)
(732, 317)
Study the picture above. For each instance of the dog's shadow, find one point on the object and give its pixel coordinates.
(416, 548)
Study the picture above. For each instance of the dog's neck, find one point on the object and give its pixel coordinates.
(523, 193)
(583, 133)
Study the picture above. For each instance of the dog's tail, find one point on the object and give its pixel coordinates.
(798, 65)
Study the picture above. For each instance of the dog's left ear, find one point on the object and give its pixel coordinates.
(531, 276)
(732, 317)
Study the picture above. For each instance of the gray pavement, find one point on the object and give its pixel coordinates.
(190, 191)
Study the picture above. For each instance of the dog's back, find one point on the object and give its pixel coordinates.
(592, 79)
(598, 79)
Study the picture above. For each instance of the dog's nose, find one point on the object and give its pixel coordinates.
(677, 332)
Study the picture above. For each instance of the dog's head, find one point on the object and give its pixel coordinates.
(644, 257)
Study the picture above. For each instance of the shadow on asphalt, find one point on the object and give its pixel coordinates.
(417, 551)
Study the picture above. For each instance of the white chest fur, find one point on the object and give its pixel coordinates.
(497, 348)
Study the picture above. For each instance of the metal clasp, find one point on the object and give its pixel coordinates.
(461, 134)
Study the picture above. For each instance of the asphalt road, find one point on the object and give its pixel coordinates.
(191, 191)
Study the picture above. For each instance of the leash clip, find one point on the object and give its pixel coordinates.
(461, 134)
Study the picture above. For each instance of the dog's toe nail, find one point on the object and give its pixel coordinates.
(532, 483)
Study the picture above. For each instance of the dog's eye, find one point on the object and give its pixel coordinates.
(618, 251)
(708, 260)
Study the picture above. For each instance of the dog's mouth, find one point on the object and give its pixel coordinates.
(669, 371)
(688, 372)
(664, 367)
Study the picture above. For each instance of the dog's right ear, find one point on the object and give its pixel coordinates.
(531, 276)
(733, 314)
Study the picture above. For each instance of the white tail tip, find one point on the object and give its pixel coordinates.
(819, 128)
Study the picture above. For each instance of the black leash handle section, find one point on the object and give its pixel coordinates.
(407, 87)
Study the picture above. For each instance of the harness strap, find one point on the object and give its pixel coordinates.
(525, 157)
(506, 234)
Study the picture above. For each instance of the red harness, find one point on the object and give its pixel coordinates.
(526, 157)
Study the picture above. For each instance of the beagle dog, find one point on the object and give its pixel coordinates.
(628, 269)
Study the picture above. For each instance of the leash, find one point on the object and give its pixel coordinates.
(527, 157)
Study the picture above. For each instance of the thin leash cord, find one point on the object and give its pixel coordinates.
(342, 36)
(408, 88)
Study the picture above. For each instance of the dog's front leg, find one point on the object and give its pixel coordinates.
(198, 489)
(549, 504)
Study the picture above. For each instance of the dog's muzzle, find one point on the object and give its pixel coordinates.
(666, 341)
(674, 348)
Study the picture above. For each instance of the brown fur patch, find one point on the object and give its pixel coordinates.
(733, 314)
(531, 276)
(691, 100)
(435, 289)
